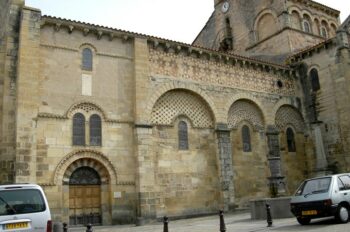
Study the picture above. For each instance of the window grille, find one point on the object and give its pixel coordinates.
(85, 176)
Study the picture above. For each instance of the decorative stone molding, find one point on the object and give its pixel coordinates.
(246, 75)
(87, 107)
(179, 102)
(163, 89)
(52, 116)
(85, 157)
(288, 115)
(245, 96)
(243, 110)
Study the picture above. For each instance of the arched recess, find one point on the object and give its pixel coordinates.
(245, 110)
(87, 108)
(295, 20)
(89, 158)
(333, 29)
(247, 97)
(289, 115)
(307, 24)
(265, 24)
(175, 103)
(161, 90)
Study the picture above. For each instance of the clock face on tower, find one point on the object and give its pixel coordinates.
(225, 7)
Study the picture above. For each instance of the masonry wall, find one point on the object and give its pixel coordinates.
(62, 92)
(267, 28)
(222, 85)
(9, 39)
(331, 99)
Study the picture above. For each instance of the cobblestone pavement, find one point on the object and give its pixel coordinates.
(234, 222)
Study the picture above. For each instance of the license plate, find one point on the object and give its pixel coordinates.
(309, 212)
(19, 225)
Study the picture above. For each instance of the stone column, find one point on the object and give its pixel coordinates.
(321, 159)
(225, 166)
(276, 179)
(146, 182)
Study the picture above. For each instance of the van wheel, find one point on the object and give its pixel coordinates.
(342, 215)
(303, 221)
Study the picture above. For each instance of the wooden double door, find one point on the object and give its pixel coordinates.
(85, 197)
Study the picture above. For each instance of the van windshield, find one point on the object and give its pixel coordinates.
(21, 201)
(314, 186)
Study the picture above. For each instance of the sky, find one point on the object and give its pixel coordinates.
(179, 20)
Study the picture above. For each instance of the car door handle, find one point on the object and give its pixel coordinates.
(345, 194)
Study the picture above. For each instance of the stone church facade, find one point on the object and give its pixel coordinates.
(121, 127)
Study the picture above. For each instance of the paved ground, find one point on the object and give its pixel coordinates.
(234, 222)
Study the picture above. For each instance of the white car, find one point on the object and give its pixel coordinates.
(322, 197)
(23, 207)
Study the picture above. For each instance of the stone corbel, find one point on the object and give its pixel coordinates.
(58, 27)
(125, 38)
(189, 51)
(70, 29)
(99, 34)
(178, 49)
(111, 36)
(155, 44)
(86, 31)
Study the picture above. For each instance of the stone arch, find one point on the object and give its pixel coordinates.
(87, 108)
(333, 29)
(265, 24)
(295, 19)
(279, 104)
(248, 111)
(178, 86)
(175, 103)
(307, 19)
(317, 26)
(88, 45)
(288, 115)
(89, 158)
(244, 96)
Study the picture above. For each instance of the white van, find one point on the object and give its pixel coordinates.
(323, 197)
(23, 207)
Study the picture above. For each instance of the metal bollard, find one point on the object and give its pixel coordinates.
(65, 227)
(268, 215)
(222, 222)
(89, 228)
(166, 222)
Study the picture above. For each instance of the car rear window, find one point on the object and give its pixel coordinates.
(314, 186)
(21, 201)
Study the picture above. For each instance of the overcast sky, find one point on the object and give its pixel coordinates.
(179, 20)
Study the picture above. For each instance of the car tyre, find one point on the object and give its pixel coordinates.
(342, 215)
(303, 221)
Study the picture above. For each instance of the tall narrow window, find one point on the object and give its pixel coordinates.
(183, 135)
(306, 26)
(95, 130)
(324, 33)
(246, 139)
(315, 82)
(290, 140)
(87, 59)
(79, 129)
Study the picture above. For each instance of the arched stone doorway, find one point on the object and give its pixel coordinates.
(85, 197)
(105, 170)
